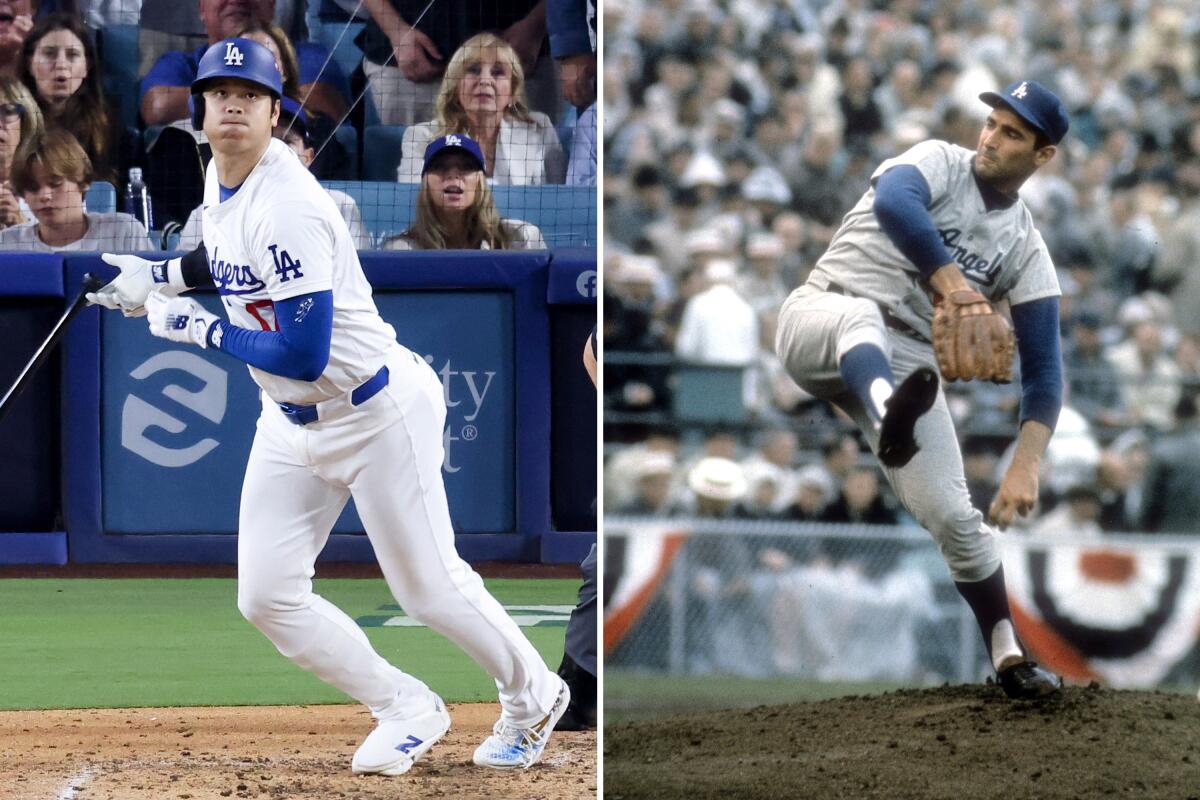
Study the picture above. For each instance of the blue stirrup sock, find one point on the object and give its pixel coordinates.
(867, 373)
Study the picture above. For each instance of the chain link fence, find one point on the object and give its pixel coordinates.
(849, 602)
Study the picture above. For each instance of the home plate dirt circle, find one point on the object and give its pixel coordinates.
(297, 752)
(950, 743)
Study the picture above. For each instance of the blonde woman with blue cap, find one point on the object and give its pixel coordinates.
(455, 210)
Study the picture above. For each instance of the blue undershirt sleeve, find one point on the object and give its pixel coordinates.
(1036, 326)
(902, 201)
(298, 350)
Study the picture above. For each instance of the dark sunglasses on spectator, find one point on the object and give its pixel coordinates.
(11, 110)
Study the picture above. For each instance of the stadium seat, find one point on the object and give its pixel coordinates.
(381, 152)
(566, 215)
(118, 46)
(347, 137)
(101, 198)
(708, 394)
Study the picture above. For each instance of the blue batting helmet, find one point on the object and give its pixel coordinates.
(234, 58)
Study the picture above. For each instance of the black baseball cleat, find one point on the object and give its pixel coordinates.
(912, 398)
(1027, 681)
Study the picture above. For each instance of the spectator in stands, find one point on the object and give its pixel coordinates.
(483, 95)
(20, 123)
(1171, 502)
(16, 20)
(455, 210)
(839, 455)
(324, 107)
(860, 500)
(761, 285)
(53, 179)
(1094, 387)
(718, 326)
(1149, 378)
(813, 493)
(167, 86)
(59, 66)
(572, 28)
(293, 130)
(653, 473)
(406, 44)
(165, 25)
(776, 455)
(630, 326)
(1077, 515)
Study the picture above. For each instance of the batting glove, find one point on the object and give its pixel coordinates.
(128, 290)
(182, 319)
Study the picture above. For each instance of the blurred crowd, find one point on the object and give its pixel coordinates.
(515, 77)
(737, 133)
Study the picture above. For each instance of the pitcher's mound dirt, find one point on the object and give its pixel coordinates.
(955, 742)
(300, 753)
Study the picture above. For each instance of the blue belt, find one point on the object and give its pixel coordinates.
(303, 415)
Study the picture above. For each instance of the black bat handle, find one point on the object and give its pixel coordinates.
(90, 284)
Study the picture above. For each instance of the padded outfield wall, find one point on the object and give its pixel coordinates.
(128, 448)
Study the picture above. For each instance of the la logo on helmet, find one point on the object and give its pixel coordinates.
(1021, 90)
(453, 141)
(233, 56)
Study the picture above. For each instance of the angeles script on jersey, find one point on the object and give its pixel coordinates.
(999, 251)
(279, 236)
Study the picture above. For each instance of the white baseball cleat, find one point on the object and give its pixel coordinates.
(510, 747)
(395, 744)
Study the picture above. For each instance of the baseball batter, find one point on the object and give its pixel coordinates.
(346, 411)
(906, 289)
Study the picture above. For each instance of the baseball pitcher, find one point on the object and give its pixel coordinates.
(910, 287)
(346, 411)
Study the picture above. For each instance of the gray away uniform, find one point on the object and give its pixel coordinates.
(1001, 255)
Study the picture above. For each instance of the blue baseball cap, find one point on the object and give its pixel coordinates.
(293, 109)
(1035, 104)
(457, 141)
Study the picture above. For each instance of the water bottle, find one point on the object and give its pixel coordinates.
(137, 198)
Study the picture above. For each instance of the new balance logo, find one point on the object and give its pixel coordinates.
(177, 321)
(233, 56)
(1021, 90)
(406, 747)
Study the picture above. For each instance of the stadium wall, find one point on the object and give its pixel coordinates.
(131, 449)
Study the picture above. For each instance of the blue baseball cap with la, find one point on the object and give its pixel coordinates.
(458, 141)
(1035, 104)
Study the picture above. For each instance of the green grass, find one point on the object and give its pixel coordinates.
(632, 695)
(123, 643)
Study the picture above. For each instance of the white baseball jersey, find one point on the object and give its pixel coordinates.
(999, 251)
(281, 235)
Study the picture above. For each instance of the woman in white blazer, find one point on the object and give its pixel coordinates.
(455, 210)
(483, 95)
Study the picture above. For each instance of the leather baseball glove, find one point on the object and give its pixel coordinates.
(971, 344)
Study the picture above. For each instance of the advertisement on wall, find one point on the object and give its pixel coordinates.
(178, 422)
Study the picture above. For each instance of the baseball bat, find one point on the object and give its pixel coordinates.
(90, 284)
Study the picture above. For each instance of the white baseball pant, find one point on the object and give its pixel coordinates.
(816, 328)
(387, 454)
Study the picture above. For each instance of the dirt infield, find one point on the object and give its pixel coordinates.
(955, 742)
(273, 752)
